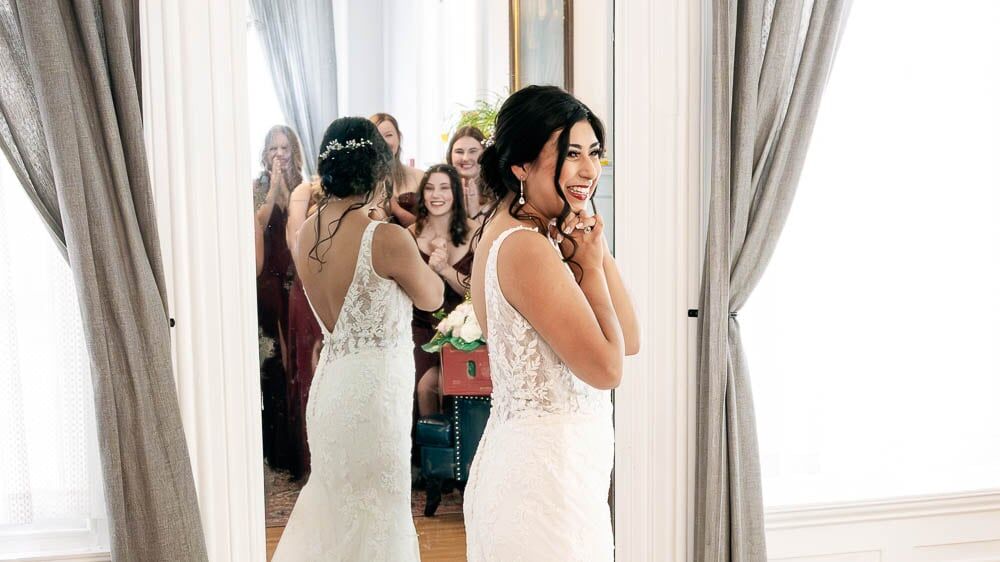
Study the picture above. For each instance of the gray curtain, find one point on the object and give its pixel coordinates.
(298, 42)
(71, 127)
(770, 63)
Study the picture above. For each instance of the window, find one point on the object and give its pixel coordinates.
(51, 496)
(872, 339)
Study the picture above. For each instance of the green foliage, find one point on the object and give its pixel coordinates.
(482, 115)
(439, 340)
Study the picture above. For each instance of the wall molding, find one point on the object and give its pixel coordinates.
(883, 510)
(658, 187)
(88, 557)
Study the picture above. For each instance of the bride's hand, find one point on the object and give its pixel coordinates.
(574, 224)
(588, 233)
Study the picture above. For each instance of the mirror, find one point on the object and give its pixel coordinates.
(429, 76)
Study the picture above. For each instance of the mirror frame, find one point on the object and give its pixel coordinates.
(515, 45)
(195, 102)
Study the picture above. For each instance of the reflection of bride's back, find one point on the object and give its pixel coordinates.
(356, 505)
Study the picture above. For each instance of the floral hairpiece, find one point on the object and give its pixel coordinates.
(489, 142)
(335, 145)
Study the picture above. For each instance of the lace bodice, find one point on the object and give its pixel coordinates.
(529, 379)
(376, 313)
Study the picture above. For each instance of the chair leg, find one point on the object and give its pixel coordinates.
(433, 496)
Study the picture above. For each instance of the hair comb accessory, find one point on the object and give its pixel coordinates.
(335, 146)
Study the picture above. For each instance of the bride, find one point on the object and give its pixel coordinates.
(361, 278)
(559, 321)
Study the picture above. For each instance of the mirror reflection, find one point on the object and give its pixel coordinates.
(375, 374)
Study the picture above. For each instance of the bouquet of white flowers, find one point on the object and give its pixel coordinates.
(460, 329)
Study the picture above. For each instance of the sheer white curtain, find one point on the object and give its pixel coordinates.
(51, 498)
(440, 57)
(872, 338)
(265, 110)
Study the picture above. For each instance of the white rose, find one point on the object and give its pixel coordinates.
(449, 323)
(464, 310)
(470, 330)
(454, 320)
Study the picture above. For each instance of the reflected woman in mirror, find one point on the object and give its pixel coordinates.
(559, 322)
(281, 163)
(443, 233)
(362, 279)
(304, 336)
(305, 339)
(464, 150)
(403, 179)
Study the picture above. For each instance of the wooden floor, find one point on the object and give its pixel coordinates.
(442, 538)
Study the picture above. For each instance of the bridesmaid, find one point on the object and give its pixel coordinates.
(304, 336)
(464, 150)
(281, 163)
(443, 233)
(403, 179)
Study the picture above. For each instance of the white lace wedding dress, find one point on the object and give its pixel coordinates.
(538, 486)
(356, 505)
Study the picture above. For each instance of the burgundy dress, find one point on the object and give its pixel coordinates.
(303, 334)
(408, 201)
(273, 285)
(425, 325)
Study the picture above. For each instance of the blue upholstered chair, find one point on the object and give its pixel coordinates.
(448, 442)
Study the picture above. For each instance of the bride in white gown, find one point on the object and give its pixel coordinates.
(362, 278)
(559, 322)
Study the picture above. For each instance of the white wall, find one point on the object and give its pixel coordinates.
(943, 528)
(593, 64)
(361, 56)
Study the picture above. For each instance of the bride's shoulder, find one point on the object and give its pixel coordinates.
(524, 249)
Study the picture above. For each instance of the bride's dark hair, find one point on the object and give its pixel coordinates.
(524, 124)
(353, 160)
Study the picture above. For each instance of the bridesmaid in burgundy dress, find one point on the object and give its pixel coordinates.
(281, 161)
(304, 336)
(403, 179)
(444, 233)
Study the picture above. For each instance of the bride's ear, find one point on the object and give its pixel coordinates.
(519, 171)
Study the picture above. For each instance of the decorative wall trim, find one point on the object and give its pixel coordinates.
(91, 557)
(658, 186)
(883, 510)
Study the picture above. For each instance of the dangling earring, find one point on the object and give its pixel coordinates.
(521, 200)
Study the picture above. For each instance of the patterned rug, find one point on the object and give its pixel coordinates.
(280, 496)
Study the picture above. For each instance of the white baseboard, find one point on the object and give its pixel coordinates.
(961, 527)
(85, 557)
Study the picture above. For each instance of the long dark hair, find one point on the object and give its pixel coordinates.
(358, 167)
(458, 227)
(523, 126)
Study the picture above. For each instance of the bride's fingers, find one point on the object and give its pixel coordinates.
(570, 224)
